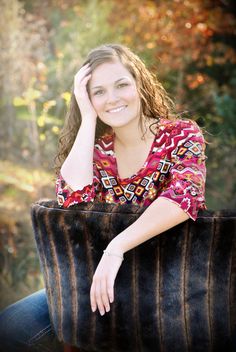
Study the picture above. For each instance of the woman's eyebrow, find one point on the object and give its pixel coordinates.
(117, 81)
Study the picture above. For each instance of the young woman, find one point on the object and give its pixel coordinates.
(121, 143)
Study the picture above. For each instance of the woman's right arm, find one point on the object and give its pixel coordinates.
(77, 169)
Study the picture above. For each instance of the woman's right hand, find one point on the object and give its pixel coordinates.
(80, 91)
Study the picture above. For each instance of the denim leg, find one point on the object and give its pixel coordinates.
(25, 326)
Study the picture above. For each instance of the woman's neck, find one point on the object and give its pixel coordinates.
(132, 136)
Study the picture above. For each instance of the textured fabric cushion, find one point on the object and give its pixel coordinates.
(175, 292)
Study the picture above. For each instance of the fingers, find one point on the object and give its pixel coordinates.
(99, 296)
(110, 291)
(102, 288)
(92, 297)
(81, 80)
(104, 295)
(85, 80)
(83, 72)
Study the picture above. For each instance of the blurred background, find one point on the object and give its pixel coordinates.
(189, 45)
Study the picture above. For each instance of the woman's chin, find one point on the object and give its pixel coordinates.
(119, 122)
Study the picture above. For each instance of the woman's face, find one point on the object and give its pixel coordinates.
(113, 93)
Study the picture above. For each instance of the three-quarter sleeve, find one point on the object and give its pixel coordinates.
(186, 183)
(66, 197)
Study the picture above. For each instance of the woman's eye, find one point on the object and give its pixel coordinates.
(121, 85)
(98, 92)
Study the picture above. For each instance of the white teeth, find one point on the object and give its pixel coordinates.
(117, 109)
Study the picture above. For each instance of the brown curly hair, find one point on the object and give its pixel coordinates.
(155, 103)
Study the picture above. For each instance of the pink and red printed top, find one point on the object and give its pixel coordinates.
(174, 170)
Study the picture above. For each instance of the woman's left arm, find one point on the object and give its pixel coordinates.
(182, 197)
(160, 216)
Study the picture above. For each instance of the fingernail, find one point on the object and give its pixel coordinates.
(107, 309)
(102, 312)
(93, 309)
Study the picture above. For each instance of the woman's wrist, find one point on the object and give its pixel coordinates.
(113, 254)
(88, 121)
(115, 247)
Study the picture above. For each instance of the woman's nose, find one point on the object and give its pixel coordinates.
(112, 96)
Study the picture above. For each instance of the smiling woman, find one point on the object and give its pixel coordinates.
(114, 95)
(121, 143)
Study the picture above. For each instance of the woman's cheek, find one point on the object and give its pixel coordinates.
(96, 104)
(131, 94)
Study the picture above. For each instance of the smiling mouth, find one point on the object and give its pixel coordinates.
(117, 109)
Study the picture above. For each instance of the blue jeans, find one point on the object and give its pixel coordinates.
(25, 326)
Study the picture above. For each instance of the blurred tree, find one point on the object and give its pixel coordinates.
(22, 43)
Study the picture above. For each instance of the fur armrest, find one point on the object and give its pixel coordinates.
(175, 292)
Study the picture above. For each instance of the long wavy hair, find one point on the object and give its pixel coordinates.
(155, 102)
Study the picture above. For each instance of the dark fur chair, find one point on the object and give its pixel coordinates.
(175, 292)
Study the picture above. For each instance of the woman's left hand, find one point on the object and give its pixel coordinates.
(102, 288)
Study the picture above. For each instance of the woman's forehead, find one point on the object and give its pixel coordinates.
(109, 72)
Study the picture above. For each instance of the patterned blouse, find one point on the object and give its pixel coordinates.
(174, 170)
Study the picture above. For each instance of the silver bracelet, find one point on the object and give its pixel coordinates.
(113, 254)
